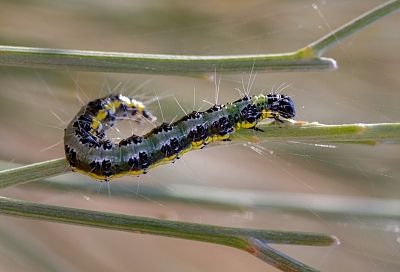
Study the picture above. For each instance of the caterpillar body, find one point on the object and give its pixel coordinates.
(88, 150)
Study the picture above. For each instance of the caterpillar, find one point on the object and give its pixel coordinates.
(88, 150)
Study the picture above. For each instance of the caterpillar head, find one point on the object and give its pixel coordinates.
(281, 104)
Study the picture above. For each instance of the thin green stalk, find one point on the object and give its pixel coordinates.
(319, 47)
(33, 172)
(96, 61)
(252, 241)
(305, 59)
(315, 131)
(243, 199)
(303, 131)
(276, 258)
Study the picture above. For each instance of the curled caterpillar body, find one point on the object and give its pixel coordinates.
(89, 151)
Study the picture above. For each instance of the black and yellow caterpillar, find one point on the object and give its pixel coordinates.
(89, 151)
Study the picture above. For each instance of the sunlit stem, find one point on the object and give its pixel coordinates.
(318, 48)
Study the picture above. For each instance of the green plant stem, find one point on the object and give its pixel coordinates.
(252, 241)
(33, 172)
(313, 131)
(303, 131)
(319, 47)
(305, 59)
(277, 258)
(241, 199)
(96, 61)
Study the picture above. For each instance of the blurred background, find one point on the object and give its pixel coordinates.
(35, 106)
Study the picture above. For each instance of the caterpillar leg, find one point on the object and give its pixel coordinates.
(257, 129)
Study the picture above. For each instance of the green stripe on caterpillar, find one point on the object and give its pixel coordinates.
(90, 152)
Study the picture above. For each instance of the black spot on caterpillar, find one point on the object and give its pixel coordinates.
(89, 151)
